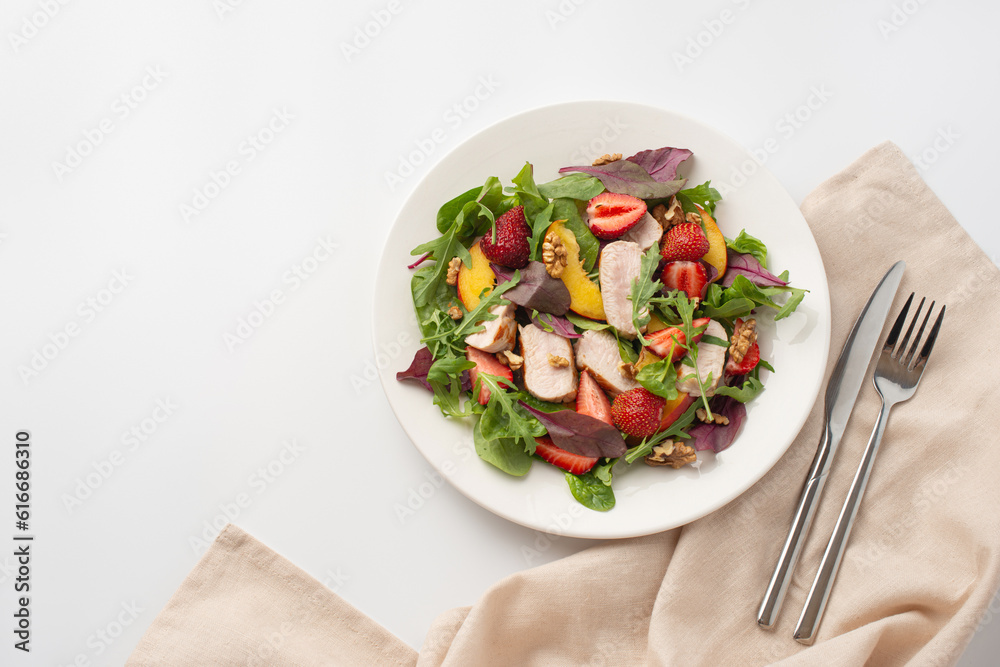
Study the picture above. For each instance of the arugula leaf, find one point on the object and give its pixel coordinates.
(794, 299)
(675, 431)
(590, 247)
(685, 309)
(660, 378)
(644, 288)
(591, 491)
(745, 393)
(602, 471)
(703, 195)
(504, 453)
(445, 378)
(504, 417)
(544, 406)
(448, 339)
(749, 245)
(574, 186)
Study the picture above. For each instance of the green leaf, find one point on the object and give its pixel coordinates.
(713, 340)
(703, 195)
(445, 378)
(585, 323)
(644, 288)
(527, 192)
(660, 378)
(737, 307)
(504, 453)
(504, 417)
(751, 387)
(602, 471)
(574, 186)
(749, 245)
(440, 336)
(794, 299)
(626, 351)
(538, 225)
(566, 209)
(450, 210)
(545, 406)
(590, 491)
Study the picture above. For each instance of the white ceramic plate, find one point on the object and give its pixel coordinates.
(649, 500)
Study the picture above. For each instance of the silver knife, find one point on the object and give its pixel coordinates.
(841, 393)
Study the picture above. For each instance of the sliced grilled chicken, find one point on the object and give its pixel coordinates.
(549, 373)
(711, 360)
(620, 263)
(645, 233)
(597, 352)
(499, 333)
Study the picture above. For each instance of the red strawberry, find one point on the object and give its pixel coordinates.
(560, 458)
(687, 276)
(662, 340)
(591, 399)
(684, 242)
(612, 214)
(511, 247)
(750, 360)
(637, 412)
(487, 363)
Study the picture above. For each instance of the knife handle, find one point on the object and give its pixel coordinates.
(798, 532)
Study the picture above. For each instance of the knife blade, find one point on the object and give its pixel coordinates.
(841, 393)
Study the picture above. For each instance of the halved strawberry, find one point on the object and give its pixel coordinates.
(750, 360)
(689, 277)
(637, 412)
(612, 214)
(684, 242)
(591, 399)
(663, 340)
(511, 248)
(560, 458)
(487, 363)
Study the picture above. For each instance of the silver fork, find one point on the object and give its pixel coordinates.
(897, 374)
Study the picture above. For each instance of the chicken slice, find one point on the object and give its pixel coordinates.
(711, 360)
(597, 352)
(499, 333)
(620, 264)
(549, 374)
(645, 233)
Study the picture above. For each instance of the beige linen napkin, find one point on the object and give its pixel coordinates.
(922, 565)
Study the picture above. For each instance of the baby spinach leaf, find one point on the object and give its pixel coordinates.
(539, 224)
(745, 393)
(660, 378)
(574, 186)
(507, 454)
(585, 323)
(450, 210)
(590, 491)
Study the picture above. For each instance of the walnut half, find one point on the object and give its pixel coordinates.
(669, 215)
(607, 159)
(743, 338)
(670, 453)
(453, 266)
(554, 254)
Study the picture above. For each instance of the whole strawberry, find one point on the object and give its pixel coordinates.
(684, 243)
(511, 247)
(637, 412)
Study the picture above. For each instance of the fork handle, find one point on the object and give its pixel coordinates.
(812, 612)
(798, 531)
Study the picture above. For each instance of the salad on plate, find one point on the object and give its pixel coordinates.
(594, 321)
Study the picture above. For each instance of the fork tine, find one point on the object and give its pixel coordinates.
(925, 352)
(901, 348)
(897, 326)
(911, 355)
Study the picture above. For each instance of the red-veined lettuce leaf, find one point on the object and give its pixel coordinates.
(750, 268)
(536, 290)
(580, 434)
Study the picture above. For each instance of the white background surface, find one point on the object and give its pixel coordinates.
(302, 374)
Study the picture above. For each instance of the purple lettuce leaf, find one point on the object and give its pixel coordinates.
(750, 268)
(421, 364)
(536, 290)
(661, 163)
(628, 178)
(557, 325)
(718, 437)
(417, 372)
(580, 434)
